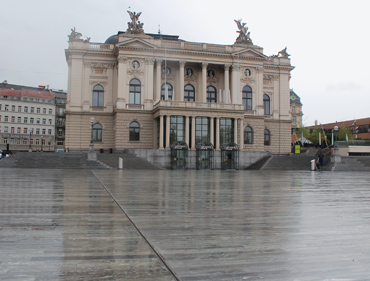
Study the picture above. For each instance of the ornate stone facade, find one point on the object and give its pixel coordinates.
(146, 91)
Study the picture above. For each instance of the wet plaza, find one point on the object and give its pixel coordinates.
(184, 225)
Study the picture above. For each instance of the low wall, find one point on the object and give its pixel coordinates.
(162, 158)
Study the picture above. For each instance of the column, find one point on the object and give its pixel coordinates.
(203, 91)
(122, 89)
(241, 144)
(212, 131)
(217, 146)
(161, 124)
(168, 145)
(226, 82)
(157, 91)
(187, 125)
(234, 84)
(236, 130)
(149, 77)
(181, 81)
(193, 133)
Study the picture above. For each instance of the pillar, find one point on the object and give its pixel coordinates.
(204, 83)
(217, 147)
(187, 125)
(234, 84)
(236, 130)
(122, 89)
(226, 81)
(241, 132)
(157, 91)
(161, 125)
(181, 81)
(193, 133)
(168, 145)
(212, 131)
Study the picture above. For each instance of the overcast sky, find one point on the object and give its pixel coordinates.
(328, 41)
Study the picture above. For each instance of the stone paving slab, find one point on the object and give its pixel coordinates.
(205, 225)
(62, 225)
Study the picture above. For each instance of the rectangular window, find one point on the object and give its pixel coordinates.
(38, 121)
(5, 129)
(98, 99)
(12, 130)
(32, 110)
(25, 141)
(44, 110)
(49, 131)
(0, 106)
(6, 119)
(38, 110)
(59, 142)
(19, 119)
(43, 131)
(18, 130)
(202, 130)
(25, 131)
(50, 111)
(177, 129)
(37, 141)
(226, 130)
(0, 118)
(19, 109)
(50, 121)
(31, 120)
(5, 141)
(13, 119)
(60, 133)
(6, 107)
(43, 121)
(37, 131)
(13, 107)
(25, 120)
(26, 109)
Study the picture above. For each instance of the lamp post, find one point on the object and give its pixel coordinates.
(91, 155)
(42, 138)
(30, 147)
(336, 135)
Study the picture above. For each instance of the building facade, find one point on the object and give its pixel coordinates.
(27, 117)
(296, 111)
(148, 91)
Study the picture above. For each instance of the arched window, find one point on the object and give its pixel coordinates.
(211, 94)
(135, 91)
(97, 133)
(266, 104)
(189, 93)
(247, 98)
(248, 135)
(167, 91)
(267, 137)
(134, 131)
(98, 96)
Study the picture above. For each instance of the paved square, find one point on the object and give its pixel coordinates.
(202, 225)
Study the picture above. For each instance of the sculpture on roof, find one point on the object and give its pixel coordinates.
(283, 53)
(74, 36)
(244, 35)
(135, 26)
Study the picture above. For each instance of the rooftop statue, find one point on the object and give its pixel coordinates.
(283, 53)
(74, 36)
(244, 35)
(135, 26)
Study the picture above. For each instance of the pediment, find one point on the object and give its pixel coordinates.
(249, 53)
(136, 43)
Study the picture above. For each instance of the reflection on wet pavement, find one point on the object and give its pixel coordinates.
(207, 225)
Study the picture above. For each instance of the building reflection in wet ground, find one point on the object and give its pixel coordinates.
(205, 225)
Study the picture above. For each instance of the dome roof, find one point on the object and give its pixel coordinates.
(112, 40)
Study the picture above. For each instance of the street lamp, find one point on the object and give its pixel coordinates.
(336, 135)
(92, 136)
(30, 147)
(42, 138)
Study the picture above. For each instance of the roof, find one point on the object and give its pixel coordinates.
(27, 93)
(294, 98)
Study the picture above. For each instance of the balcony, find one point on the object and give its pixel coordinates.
(198, 105)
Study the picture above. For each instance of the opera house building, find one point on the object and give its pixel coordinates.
(178, 103)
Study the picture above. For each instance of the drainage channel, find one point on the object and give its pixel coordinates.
(140, 232)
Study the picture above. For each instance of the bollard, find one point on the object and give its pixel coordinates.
(313, 165)
(120, 163)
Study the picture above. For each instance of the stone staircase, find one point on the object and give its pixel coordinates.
(353, 164)
(51, 160)
(293, 162)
